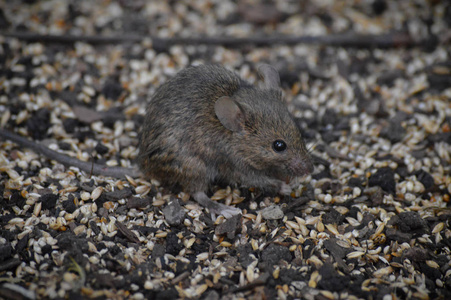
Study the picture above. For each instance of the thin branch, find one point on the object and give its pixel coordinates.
(68, 161)
(389, 40)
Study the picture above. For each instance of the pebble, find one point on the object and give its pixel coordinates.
(174, 213)
(272, 213)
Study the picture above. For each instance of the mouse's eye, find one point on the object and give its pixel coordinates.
(279, 146)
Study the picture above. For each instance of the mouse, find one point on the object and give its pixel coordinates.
(207, 125)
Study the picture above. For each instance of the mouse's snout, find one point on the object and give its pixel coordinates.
(302, 166)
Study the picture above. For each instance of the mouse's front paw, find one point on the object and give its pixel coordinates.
(222, 209)
(216, 208)
(285, 189)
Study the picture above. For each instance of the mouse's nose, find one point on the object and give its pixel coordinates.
(302, 166)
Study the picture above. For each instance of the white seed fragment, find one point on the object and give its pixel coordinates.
(189, 243)
(327, 294)
(142, 189)
(79, 229)
(161, 235)
(320, 226)
(439, 227)
(202, 256)
(432, 264)
(332, 228)
(356, 192)
(250, 273)
(85, 196)
(383, 272)
(16, 221)
(201, 289)
(37, 209)
(96, 193)
(94, 259)
(355, 254)
(11, 173)
(292, 225)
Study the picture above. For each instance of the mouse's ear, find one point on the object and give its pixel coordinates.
(270, 76)
(229, 114)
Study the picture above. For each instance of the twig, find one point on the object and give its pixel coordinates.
(130, 235)
(68, 161)
(389, 40)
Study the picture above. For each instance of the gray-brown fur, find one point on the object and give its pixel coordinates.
(183, 142)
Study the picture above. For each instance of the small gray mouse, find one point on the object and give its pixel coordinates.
(206, 125)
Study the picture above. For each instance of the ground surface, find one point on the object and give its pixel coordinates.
(372, 221)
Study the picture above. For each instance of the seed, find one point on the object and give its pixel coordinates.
(291, 224)
(202, 256)
(432, 264)
(438, 228)
(108, 205)
(315, 260)
(383, 272)
(314, 278)
(11, 173)
(189, 242)
(250, 273)
(327, 294)
(85, 196)
(131, 180)
(94, 260)
(16, 221)
(161, 235)
(4, 119)
(356, 192)
(254, 244)
(332, 228)
(79, 229)
(201, 289)
(355, 254)
(327, 198)
(225, 244)
(219, 195)
(320, 226)
(96, 193)
(142, 189)
(37, 209)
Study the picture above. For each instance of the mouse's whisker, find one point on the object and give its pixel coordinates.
(311, 147)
